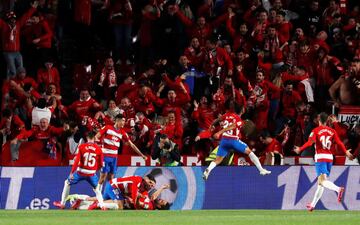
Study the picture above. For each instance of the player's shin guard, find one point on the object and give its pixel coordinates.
(318, 193)
(256, 161)
(330, 185)
(99, 197)
(111, 205)
(65, 192)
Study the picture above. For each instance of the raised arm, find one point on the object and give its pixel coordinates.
(156, 194)
(133, 147)
(28, 14)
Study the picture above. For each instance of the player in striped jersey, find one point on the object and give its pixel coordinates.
(230, 138)
(147, 200)
(119, 189)
(111, 137)
(323, 137)
(88, 160)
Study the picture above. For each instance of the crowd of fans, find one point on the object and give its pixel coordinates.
(170, 67)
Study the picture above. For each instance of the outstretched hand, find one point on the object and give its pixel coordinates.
(349, 155)
(35, 4)
(297, 149)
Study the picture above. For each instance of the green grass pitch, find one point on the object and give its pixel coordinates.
(194, 217)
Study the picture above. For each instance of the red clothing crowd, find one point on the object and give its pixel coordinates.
(171, 69)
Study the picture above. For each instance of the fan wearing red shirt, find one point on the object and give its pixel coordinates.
(125, 88)
(216, 57)
(87, 162)
(273, 149)
(142, 98)
(44, 132)
(241, 38)
(84, 105)
(194, 53)
(262, 90)
(49, 74)
(10, 125)
(203, 113)
(323, 137)
(202, 30)
(10, 31)
(38, 36)
(289, 101)
(174, 128)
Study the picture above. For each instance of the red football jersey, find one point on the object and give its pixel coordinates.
(324, 137)
(144, 202)
(228, 119)
(129, 186)
(111, 139)
(88, 160)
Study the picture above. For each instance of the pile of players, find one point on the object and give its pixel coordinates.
(131, 192)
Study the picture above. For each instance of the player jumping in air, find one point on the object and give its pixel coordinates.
(88, 160)
(231, 124)
(323, 137)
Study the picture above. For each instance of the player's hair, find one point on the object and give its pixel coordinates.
(165, 206)
(91, 134)
(151, 177)
(232, 105)
(323, 117)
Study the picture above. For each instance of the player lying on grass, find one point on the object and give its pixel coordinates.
(118, 189)
(323, 137)
(144, 201)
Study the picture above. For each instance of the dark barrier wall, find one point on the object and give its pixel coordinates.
(227, 187)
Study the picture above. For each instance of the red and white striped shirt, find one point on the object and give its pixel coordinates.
(227, 120)
(88, 160)
(324, 137)
(129, 186)
(111, 139)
